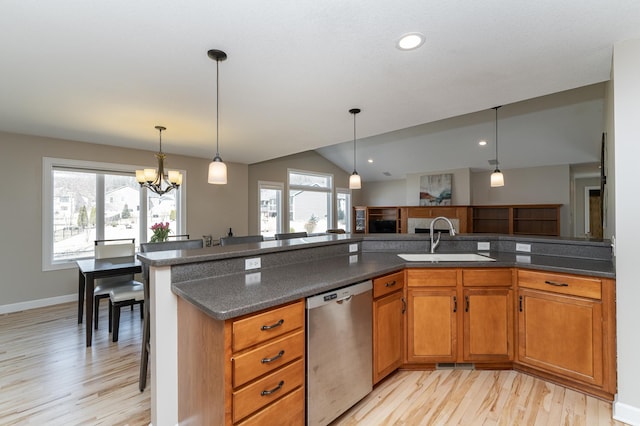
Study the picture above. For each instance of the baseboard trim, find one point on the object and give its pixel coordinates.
(626, 413)
(32, 304)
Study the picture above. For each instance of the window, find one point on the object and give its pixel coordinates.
(270, 202)
(310, 201)
(344, 209)
(85, 201)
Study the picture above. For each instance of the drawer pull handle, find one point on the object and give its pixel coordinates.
(268, 360)
(556, 284)
(390, 284)
(277, 388)
(269, 327)
(455, 304)
(466, 303)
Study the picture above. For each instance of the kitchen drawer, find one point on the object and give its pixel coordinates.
(432, 277)
(388, 284)
(561, 283)
(497, 277)
(250, 365)
(288, 410)
(251, 398)
(261, 327)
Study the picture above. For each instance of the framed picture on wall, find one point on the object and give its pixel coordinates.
(435, 190)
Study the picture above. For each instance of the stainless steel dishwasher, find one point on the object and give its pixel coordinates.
(339, 351)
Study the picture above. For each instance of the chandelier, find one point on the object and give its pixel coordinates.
(155, 179)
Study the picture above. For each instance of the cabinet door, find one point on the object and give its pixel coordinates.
(488, 324)
(431, 325)
(561, 334)
(387, 335)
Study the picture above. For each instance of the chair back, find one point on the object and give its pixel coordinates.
(171, 245)
(104, 249)
(227, 241)
(167, 245)
(289, 235)
(178, 237)
(336, 231)
(114, 250)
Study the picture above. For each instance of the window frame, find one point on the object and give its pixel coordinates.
(278, 186)
(349, 209)
(327, 190)
(50, 164)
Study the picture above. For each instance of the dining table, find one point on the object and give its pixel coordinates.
(88, 271)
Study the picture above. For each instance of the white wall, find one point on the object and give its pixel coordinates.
(626, 94)
(23, 283)
(391, 193)
(460, 187)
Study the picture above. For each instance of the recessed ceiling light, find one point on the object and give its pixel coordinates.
(370, 160)
(482, 143)
(410, 41)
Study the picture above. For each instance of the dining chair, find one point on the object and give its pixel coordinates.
(120, 247)
(125, 295)
(178, 237)
(227, 241)
(146, 333)
(289, 235)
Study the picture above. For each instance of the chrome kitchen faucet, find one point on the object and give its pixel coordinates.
(452, 232)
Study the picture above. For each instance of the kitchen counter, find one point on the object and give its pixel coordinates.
(232, 295)
(214, 279)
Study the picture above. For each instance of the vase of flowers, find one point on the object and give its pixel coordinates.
(160, 232)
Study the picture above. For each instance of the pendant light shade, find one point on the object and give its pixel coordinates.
(354, 180)
(497, 178)
(217, 168)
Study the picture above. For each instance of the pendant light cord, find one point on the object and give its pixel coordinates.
(497, 137)
(217, 106)
(354, 142)
(496, 109)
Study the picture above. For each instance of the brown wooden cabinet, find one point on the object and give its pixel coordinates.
(388, 310)
(459, 315)
(248, 371)
(566, 328)
(379, 220)
(431, 325)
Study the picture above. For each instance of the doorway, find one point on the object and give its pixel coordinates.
(592, 212)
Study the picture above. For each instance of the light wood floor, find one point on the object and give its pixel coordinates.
(48, 376)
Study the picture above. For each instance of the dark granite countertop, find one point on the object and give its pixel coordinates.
(232, 295)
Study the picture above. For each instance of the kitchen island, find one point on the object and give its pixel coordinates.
(214, 280)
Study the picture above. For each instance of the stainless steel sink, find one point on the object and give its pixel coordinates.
(446, 257)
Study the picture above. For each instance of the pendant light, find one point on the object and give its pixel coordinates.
(497, 178)
(217, 168)
(354, 179)
(154, 179)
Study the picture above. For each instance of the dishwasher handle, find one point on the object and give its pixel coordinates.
(346, 299)
(340, 295)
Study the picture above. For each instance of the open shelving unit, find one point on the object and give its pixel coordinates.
(530, 219)
(521, 219)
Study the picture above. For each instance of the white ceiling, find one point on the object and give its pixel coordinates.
(108, 72)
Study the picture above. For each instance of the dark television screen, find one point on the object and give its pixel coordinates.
(382, 226)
